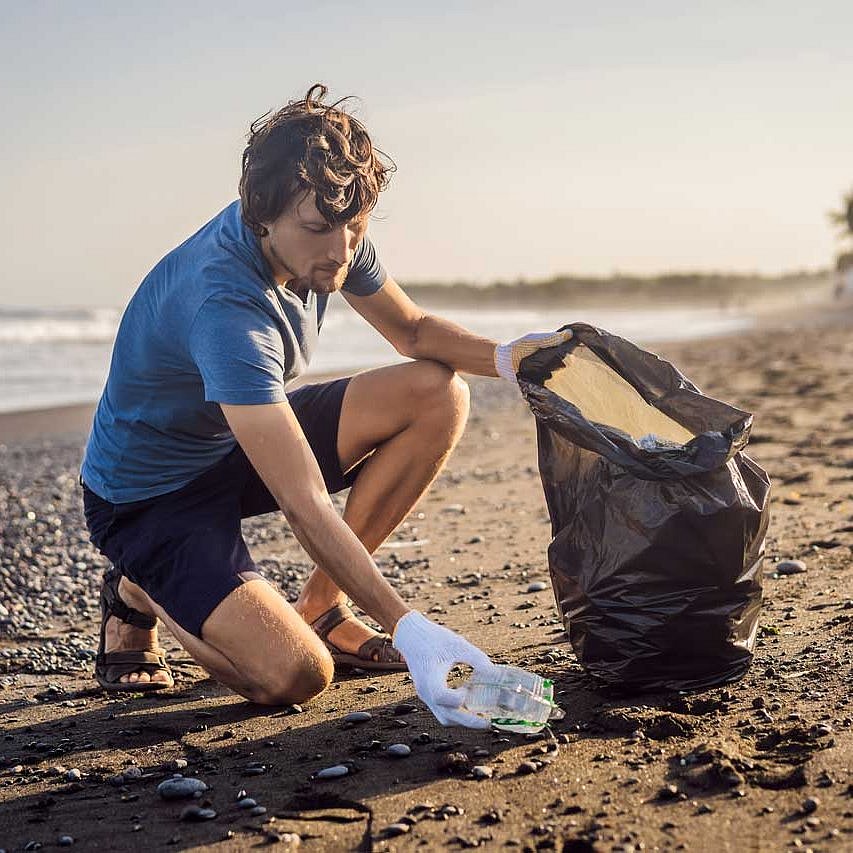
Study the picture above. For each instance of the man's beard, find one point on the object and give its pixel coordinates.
(302, 284)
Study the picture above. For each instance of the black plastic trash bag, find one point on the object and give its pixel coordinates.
(658, 519)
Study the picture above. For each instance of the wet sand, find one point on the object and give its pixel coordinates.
(775, 749)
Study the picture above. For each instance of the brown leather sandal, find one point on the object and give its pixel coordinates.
(376, 653)
(111, 666)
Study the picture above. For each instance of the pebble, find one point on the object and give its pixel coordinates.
(65, 840)
(257, 811)
(526, 768)
(668, 792)
(395, 829)
(179, 763)
(246, 803)
(132, 773)
(810, 805)
(482, 771)
(73, 775)
(457, 508)
(404, 708)
(537, 586)
(197, 813)
(180, 787)
(334, 772)
(358, 717)
(790, 567)
(399, 750)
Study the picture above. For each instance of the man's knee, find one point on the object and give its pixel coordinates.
(439, 389)
(299, 682)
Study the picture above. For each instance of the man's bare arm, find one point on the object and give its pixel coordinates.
(274, 442)
(416, 334)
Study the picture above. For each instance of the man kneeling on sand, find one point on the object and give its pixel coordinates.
(195, 430)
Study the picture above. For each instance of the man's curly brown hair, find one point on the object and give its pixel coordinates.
(309, 145)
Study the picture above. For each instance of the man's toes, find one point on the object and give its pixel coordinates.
(143, 677)
(160, 677)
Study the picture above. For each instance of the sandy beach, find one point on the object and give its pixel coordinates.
(763, 764)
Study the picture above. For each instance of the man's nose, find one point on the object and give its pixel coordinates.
(341, 246)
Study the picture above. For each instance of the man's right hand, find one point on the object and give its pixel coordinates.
(431, 651)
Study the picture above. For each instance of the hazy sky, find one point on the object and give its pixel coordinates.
(530, 138)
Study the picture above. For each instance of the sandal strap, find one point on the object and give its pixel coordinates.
(324, 624)
(150, 657)
(113, 665)
(116, 607)
(380, 649)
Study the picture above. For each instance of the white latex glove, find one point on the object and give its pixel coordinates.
(431, 651)
(508, 356)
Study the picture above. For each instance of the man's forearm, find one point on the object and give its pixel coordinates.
(331, 544)
(440, 340)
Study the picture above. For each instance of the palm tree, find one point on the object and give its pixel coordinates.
(844, 218)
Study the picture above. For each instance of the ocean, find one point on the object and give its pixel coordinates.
(53, 357)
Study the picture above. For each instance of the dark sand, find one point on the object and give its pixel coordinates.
(778, 737)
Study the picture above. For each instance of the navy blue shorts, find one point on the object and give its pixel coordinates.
(186, 548)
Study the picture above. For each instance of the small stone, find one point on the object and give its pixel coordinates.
(246, 803)
(455, 508)
(334, 772)
(537, 586)
(399, 750)
(257, 811)
(526, 768)
(404, 708)
(482, 771)
(395, 829)
(358, 717)
(197, 814)
(131, 774)
(180, 787)
(73, 775)
(455, 763)
(790, 567)
(668, 792)
(810, 805)
(490, 818)
(65, 840)
(179, 763)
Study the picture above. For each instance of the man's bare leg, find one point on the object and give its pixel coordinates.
(411, 416)
(253, 642)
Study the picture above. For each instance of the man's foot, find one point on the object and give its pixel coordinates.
(128, 653)
(121, 637)
(351, 642)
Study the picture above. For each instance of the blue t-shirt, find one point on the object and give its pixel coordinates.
(208, 325)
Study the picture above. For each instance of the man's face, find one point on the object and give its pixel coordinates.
(304, 250)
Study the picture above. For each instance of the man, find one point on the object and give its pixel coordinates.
(195, 431)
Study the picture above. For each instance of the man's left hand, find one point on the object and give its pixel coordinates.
(508, 356)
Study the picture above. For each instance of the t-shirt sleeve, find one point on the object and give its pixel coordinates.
(366, 274)
(239, 351)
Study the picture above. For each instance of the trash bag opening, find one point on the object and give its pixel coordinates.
(604, 397)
